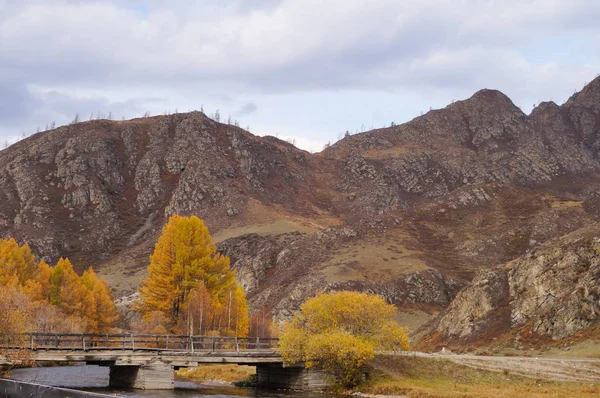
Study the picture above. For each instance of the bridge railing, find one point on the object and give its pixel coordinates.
(154, 342)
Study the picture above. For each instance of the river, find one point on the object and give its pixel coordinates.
(95, 378)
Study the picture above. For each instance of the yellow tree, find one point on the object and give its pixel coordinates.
(101, 311)
(16, 261)
(15, 318)
(239, 324)
(196, 311)
(183, 257)
(38, 288)
(339, 333)
(69, 293)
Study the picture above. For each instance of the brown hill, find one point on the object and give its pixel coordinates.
(411, 212)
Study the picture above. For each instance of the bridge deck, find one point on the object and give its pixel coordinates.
(135, 349)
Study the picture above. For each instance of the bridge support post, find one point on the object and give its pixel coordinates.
(152, 376)
(296, 377)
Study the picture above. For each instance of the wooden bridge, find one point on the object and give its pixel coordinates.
(147, 361)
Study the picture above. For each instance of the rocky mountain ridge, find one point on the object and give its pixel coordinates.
(411, 212)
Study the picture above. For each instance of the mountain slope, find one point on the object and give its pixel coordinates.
(412, 212)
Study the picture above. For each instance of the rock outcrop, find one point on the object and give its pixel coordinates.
(552, 291)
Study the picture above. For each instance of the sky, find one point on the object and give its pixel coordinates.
(301, 70)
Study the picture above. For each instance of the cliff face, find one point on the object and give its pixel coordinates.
(553, 291)
(411, 212)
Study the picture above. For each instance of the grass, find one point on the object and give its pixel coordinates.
(272, 228)
(425, 377)
(225, 373)
(413, 319)
(373, 260)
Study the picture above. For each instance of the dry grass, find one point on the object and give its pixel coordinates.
(226, 373)
(413, 319)
(272, 228)
(423, 377)
(273, 220)
(376, 261)
(556, 203)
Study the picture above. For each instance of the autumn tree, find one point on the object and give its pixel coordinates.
(16, 261)
(261, 325)
(101, 310)
(237, 313)
(185, 257)
(339, 333)
(15, 318)
(56, 297)
(197, 310)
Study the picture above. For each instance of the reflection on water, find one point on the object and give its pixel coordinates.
(95, 378)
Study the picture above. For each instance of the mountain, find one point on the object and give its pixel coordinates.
(412, 212)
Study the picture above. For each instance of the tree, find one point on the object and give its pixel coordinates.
(183, 257)
(38, 288)
(69, 293)
(261, 325)
(16, 261)
(238, 323)
(196, 311)
(55, 298)
(15, 319)
(339, 333)
(101, 310)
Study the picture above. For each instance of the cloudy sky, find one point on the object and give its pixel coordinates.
(302, 69)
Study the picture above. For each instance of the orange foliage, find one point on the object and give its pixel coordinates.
(191, 284)
(38, 297)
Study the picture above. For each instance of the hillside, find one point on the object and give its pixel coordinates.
(412, 212)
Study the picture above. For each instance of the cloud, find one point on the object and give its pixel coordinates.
(65, 56)
(245, 110)
(289, 45)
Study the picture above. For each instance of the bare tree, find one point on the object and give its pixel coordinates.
(146, 114)
(217, 116)
(52, 125)
(110, 117)
(75, 119)
(92, 116)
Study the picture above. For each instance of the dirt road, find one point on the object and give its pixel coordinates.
(560, 369)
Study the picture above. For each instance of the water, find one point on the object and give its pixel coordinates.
(95, 379)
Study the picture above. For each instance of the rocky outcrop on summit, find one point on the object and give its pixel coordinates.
(554, 291)
(484, 139)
